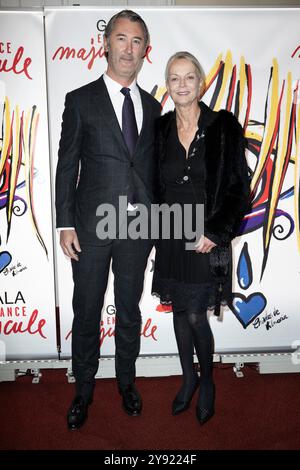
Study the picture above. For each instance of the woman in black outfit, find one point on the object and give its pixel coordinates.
(201, 156)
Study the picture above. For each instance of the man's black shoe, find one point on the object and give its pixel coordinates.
(132, 402)
(77, 413)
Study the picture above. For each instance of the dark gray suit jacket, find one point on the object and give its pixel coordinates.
(92, 149)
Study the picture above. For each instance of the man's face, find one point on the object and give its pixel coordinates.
(126, 49)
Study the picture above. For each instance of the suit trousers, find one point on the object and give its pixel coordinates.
(90, 276)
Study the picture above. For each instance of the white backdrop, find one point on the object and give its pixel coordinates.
(238, 48)
(27, 305)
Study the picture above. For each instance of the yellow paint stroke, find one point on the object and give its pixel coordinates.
(15, 165)
(252, 135)
(160, 92)
(297, 174)
(258, 138)
(269, 128)
(6, 136)
(243, 81)
(29, 172)
(26, 150)
(280, 161)
(226, 74)
(211, 74)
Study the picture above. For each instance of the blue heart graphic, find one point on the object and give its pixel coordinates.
(5, 259)
(246, 309)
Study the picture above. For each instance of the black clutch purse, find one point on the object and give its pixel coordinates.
(220, 263)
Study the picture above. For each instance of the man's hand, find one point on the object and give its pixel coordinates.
(69, 243)
(204, 245)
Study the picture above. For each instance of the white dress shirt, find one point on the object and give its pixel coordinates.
(117, 99)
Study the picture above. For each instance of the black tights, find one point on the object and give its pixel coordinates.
(192, 330)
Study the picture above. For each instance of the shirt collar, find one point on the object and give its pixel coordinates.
(114, 87)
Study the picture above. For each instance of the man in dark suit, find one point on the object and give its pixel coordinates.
(106, 151)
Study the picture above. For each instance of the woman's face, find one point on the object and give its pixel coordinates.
(183, 82)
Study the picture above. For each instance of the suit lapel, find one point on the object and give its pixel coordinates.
(107, 112)
(146, 120)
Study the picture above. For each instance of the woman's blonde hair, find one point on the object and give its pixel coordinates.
(188, 56)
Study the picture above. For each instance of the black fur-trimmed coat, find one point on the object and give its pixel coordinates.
(227, 187)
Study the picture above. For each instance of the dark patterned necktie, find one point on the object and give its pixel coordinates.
(129, 126)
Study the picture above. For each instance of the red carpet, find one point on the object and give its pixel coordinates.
(254, 412)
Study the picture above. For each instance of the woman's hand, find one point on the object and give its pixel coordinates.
(204, 245)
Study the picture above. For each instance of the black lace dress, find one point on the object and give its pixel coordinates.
(182, 277)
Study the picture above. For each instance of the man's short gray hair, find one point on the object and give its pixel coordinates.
(131, 16)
